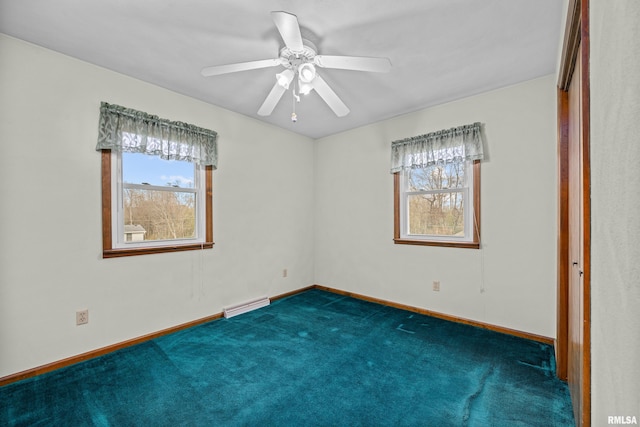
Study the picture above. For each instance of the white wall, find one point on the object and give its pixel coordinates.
(615, 208)
(50, 214)
(517, 265)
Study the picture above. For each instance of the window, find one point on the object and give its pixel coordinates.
(438, 205)
(143, 217)
(437, 188)
(156, 184)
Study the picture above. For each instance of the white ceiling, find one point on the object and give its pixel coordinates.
(441, 50)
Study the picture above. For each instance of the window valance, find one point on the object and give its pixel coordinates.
(445, 146)
(127, 130)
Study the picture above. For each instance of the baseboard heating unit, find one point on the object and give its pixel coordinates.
(246, 307)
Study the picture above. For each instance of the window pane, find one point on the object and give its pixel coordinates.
(440, 214)
(439, 177)
(158, 215)
(144, 169)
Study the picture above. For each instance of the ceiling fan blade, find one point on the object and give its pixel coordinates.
(356, 63)
(289, 29)
(272, 100)
(329, 96)
(241, 66)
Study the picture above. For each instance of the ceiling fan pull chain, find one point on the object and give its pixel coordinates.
(294, 116)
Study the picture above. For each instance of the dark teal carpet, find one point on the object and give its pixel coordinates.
(313, 359)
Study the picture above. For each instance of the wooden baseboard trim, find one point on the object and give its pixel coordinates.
(288, 294)
(500, 329)
(111, 348)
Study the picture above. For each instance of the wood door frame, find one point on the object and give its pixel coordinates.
(576, 35)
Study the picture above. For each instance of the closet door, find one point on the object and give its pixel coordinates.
(578, 303)
(573, 344)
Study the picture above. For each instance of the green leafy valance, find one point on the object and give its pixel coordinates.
(445, 146)
(127, 130)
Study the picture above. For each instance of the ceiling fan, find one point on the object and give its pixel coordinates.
(299, 57)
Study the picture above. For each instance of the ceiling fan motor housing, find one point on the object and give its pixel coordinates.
(293, 59)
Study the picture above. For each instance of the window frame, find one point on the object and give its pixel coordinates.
(399, 238)
(111, 249)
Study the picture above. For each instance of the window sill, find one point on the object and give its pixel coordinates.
(115, 253)
(465, 245)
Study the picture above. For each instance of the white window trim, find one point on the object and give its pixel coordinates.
(117, 208)
(469, 214)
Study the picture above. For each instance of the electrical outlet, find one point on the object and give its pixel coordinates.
(436, 285)
(82, 317)
(285, 273)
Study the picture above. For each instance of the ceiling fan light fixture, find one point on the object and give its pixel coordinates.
(305, 88)
(284, 78)
(307, 72)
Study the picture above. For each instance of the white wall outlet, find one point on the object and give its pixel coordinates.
(436, 285)
(285, 273)
(82, 317)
